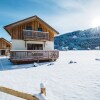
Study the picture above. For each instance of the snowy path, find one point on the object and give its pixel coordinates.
(64, 81)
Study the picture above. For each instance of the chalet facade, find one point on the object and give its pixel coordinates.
(32, 39)
(5, 47)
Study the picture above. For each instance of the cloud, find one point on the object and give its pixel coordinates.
(63, 15)
(80, 14)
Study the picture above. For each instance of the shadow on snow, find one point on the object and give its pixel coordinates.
(5, 64)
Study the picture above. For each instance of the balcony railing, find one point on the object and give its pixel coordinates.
(35, 35)
(31, 55)
(5, 48)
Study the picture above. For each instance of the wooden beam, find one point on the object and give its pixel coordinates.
(21, 31)
(18, 94)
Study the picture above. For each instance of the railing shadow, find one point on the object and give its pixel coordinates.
(5, 64)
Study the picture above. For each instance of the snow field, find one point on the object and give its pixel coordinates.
(63, 80)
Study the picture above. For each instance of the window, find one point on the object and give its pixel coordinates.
(28, 27)
(39, 29)
(34, 46)
(29, 33)
(7, 45)
(2, 52)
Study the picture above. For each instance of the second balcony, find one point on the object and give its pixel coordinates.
(35, 35)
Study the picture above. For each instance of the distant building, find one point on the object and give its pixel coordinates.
(32, 39)
(5, 46)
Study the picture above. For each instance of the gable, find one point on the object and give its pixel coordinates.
(30, 21)
(4, 43)
(4, 40)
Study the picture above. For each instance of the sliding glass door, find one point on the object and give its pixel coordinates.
(34, 46)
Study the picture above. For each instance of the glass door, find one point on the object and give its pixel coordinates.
(34, 46)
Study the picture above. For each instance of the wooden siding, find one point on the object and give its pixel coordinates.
(17, 30)
(4, 44)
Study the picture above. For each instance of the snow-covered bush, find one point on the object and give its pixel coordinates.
(74, 49)
(50, 64)
(89, 48)
(66, 48)
(35, 65)
(74, 37)
(70, 62)
(97, 48)
(63, 48)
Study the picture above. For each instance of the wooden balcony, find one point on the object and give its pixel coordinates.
(21, 56)
(5, 48)
(35, 35)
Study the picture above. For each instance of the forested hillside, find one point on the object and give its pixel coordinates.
(81, 40)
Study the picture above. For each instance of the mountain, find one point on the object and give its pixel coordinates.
(80, 40)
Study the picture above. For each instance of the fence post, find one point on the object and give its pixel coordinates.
(43, 89)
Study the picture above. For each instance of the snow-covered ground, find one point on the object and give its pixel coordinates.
(79, 80)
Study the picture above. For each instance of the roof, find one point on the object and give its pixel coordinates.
(30, 18)
(5, 40)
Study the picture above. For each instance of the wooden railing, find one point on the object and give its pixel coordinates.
(35, 35)
(5, 48)
(31, 55)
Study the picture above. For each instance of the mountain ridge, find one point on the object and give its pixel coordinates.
(80, 39)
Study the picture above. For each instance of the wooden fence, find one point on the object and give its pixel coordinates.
(18, 94)
(23, 95)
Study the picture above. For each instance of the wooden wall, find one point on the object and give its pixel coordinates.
(17, 30)
(4, 44)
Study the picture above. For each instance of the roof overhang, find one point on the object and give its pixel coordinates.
(5, 40)
(7, 27)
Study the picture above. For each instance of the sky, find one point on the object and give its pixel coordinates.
(63, 15)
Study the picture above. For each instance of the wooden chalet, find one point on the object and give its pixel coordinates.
(32, 39)
(5, 47)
